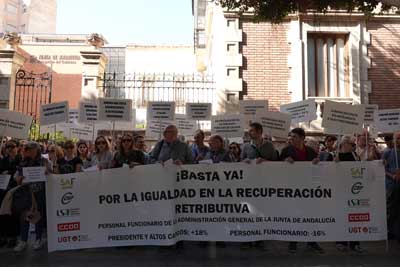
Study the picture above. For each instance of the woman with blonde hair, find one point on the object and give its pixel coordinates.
(102, 157)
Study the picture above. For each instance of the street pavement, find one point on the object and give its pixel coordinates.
(193, 255)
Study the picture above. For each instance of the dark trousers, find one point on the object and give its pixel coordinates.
(393, 209)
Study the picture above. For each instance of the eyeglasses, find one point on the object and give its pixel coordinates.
(232, 147)
(10, 146)
(69, 147)
(126, 140)
(27, 148)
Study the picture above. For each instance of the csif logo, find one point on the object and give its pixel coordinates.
(357, 173)
(357, 188)
(67, 198)
(67, 183)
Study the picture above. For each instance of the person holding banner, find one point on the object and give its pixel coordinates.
(391, 160)
(364, 149)
(330, 151)
(102, 158)
(9, 222)
(198, 148)
(55, 153)
(346, 153)
(69, 163)
(171, 148)
(259, 149)
(83, 153)
(140, 144)
(235, 151)
(36, 210)
(127, 154)
(298, 151)
(217, 151)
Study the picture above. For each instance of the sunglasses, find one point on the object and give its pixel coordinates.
(52, 151)
(10, 146)
(69, 147)
(232, 147)
(82, 147)
(126, 140)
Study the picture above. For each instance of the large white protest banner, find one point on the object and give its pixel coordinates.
(387, 120)
(274, 123)
(302, 111)
(87, 111)
(110, 109)
(249, 108)
(155, 128)
(186, 127)
(14, 124)
(369, 113)
(220, 202)
(227, 126)
(54, 113)
(161, 111)
(198, 111)
(341, 118)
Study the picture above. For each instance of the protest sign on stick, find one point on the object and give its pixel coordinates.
(227, 126)
(276, 124)
(14, 124)
(302, 111)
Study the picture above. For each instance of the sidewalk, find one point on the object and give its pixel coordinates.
(192, 255)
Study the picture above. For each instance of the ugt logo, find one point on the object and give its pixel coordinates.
(357, 172)
(67, 183)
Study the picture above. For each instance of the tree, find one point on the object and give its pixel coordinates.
(276, 10)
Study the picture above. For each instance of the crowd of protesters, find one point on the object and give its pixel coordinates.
(23, 204)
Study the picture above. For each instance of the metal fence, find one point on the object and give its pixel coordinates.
(148, 87)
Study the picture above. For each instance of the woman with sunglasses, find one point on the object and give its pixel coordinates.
(83, 154)
(9, 223)
(102, 158)
(69, 163)
(127, 154)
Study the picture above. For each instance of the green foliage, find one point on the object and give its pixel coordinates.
(34, 134)
(276, 10)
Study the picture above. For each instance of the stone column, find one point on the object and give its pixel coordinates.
(94, 63)
(10, 62)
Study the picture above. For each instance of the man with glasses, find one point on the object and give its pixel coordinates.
(298, 151)
(198, 148)
(171, 148)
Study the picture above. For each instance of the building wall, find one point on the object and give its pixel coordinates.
(384, 52)
(265, 70)
(36, 16)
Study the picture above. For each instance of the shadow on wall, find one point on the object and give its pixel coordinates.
(384, 73)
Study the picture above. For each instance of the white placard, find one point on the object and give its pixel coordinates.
(87, 111)
(47, 129)
(34, 174)
(387, 120)
(155, 128)
(110, 109)
(185, 126)
(274, 123)
(161, 111)
(127, 125)
(4, 180)
(227, 126)
(81, 132)
(302, 111)
(73, 115)
(14, 124)
(249, 108)
(340, 118)
(54, 113)
(369, 113)
(198, 111)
